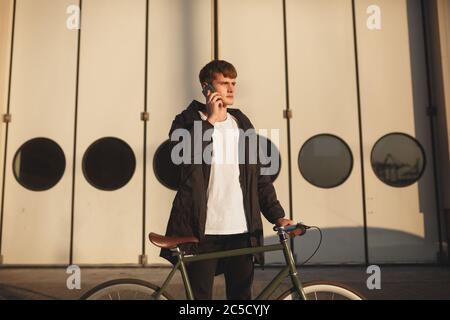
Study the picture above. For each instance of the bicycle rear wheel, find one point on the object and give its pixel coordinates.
(323, 291)
(124, 289)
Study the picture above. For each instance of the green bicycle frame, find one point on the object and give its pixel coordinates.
(289, 270)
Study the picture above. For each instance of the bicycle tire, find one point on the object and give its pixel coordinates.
(124, 289)
(322, 290)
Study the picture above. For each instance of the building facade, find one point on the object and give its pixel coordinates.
(353, 95)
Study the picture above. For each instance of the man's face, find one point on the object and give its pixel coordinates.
(226, 87)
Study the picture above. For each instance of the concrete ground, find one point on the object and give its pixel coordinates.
(397, 282)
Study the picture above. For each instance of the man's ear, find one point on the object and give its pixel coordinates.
(204, 91)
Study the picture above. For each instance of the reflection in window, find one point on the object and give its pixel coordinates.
(39, 164)
(398, 160)
(325, 161)
(109, 164)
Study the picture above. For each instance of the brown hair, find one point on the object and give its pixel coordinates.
(208, 72)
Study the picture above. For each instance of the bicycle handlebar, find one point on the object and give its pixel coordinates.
(292, 227)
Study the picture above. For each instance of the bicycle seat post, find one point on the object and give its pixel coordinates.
(187, 284)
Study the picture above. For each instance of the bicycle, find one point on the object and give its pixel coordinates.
(129, 289)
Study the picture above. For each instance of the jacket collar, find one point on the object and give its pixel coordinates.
(196, 106)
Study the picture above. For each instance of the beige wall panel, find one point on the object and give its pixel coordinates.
(251, 38)
(6, 20)
(108, 224)
(37, 224)
(323, 92)
(179, 46)
(402, 223)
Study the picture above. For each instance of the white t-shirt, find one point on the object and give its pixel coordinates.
(225, 211)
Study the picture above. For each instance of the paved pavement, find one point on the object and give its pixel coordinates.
(397, 282)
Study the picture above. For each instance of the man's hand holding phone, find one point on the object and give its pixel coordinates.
(214, 104)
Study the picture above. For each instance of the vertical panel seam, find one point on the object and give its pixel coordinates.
(74, 163)
(361, 144)
(13, 26)
(144, 202)
(432, 130)
(288, 123)
(216, 29)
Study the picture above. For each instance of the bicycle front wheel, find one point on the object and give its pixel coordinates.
(323, 291)
(124, 289)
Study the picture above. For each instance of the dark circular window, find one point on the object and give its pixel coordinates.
(398, 160)
(39, 164)
(109, 164)
(167, 173)
(272, 167)
(325, 161)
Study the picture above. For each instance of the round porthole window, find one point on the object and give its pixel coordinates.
(325, 161)
(39, 164)
(167, 173)
(109, 164)
(398, 160)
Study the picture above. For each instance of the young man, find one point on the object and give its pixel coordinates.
(220, 201)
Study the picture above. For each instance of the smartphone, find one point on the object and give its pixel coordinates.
(207, 88)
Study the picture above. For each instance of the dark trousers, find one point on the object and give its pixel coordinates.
(238, 270)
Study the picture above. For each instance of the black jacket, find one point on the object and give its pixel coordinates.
(188, 214)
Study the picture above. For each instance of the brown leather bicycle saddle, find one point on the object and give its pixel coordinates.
(169, 242)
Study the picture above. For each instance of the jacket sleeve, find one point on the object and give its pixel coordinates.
(268, 202)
